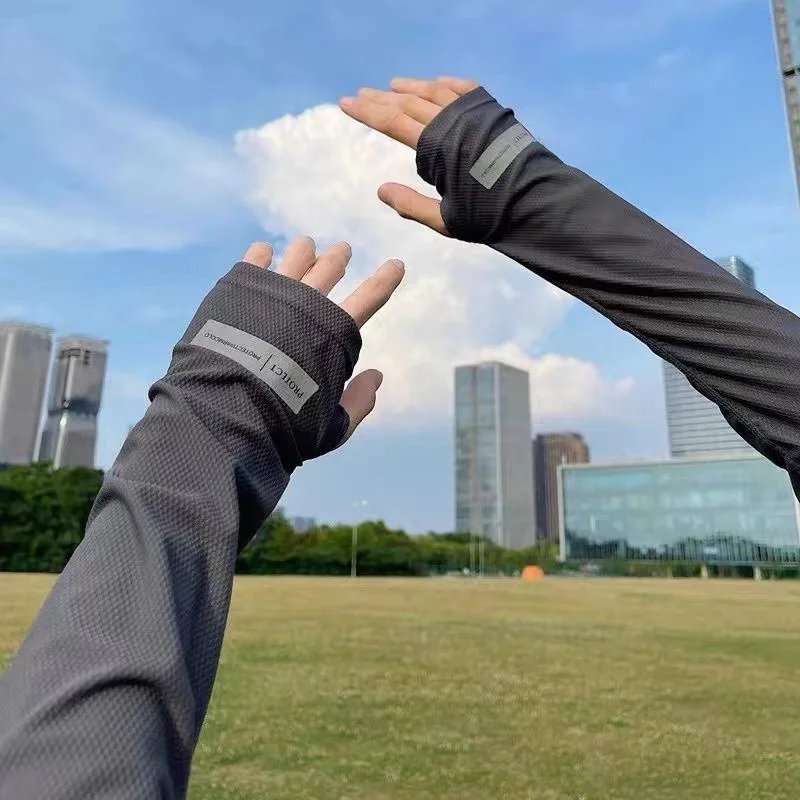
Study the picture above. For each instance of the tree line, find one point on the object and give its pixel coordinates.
(43, 515)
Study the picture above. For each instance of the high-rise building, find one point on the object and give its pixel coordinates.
(493, 462)
(24, 358)
(69, 437)
(695, 424)
(550, 450)
(740, 270)
(786, 18)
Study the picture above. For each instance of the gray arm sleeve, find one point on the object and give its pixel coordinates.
(107, 693)
(501, 187)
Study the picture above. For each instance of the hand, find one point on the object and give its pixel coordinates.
(300, 262)
(402, 114)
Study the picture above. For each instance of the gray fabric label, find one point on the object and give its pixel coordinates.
(285, 377)
(497, 157)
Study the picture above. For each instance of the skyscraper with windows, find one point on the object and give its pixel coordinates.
(69, 437)
(551, 450)
(695, 424)
(786, 19)
(24, 358)
(493, 459)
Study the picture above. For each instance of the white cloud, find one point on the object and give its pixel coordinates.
(113, 176)
(82, 227)
(563, 386)
(317, 173)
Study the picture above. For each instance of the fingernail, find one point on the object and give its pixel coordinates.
(379, 381)
(346, 102)
(398, 263)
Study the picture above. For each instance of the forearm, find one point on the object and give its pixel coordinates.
(735, 345)
(108, 692)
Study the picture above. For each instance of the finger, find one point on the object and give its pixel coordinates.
(410, 204)
(458, 85)
(329, 268)
(259, 254)
(432, 91)
(298, 258)
(358, 398)
(415, 107)
(384, 118)
(373, 293)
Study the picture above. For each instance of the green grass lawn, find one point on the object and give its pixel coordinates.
(447, 688)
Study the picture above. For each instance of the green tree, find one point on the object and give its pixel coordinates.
(43, 515)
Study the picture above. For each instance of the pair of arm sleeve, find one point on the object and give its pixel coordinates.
(107, 694)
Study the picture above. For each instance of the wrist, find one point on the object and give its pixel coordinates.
(479, 157)
(266, 355)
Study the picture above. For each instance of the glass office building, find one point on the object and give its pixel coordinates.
(695, 425)
(786, 19)
(736, 509)
(493, 458)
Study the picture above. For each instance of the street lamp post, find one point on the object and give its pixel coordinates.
(354, 551)
(354, 542)
(472, 554)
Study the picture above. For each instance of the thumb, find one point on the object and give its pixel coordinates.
(410, 204)
(358, 398)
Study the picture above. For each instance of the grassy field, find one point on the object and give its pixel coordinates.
(410, 690)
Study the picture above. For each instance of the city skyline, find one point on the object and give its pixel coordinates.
(141, 159)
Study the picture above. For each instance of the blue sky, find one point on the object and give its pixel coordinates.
(144, 145)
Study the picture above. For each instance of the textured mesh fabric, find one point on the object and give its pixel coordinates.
(108, 691)
(734, 344)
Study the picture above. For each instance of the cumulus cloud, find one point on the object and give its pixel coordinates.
(317, 173)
